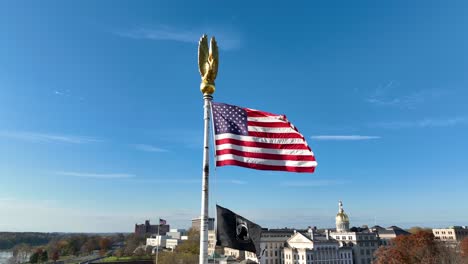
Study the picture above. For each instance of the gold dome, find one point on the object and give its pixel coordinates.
(342, 217)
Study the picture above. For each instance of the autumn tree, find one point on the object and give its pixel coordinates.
(44, 256)
(55, 256)
(192, 245)
(35, 257)
(417, 229)
(131, 243)
(464, 250)
(419, 248)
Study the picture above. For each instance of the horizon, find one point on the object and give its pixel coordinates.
(102, 115)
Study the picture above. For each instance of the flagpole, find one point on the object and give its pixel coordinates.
(205, 184)
(208, 66)
(158, 237)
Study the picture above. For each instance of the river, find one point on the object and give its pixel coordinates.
(4, 256)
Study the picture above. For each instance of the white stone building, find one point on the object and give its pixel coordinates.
(314, 248)
(451, 234)
(271, 244)
(156, 241)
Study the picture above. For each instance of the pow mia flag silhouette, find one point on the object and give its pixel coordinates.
(237, 232)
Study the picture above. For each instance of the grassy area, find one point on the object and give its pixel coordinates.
(124, 259)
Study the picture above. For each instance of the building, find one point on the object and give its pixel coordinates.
(149, 229)
(157, 241)
(170, 240)
(289, 246)
(386, 235)
(211, 242)
(312, 248)
(271, 244)
(177, 233)
(172, 243)
(451, 234)
(196, 222)
(363, 241)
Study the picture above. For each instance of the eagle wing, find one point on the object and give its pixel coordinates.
(214, 55)
(203, 53)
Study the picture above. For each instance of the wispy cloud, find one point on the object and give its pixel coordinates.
(448, 122)
(167, 181)
(189, 181)
(228, 39)
(96, 175)
(44, 138)
(312, 183)
(67, 93)
(238, 182)
(148, 148)
(387, 96)
(344, 137)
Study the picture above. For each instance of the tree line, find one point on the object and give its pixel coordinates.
(65, 245)
(10, 239)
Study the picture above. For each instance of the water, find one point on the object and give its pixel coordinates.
(4, 256)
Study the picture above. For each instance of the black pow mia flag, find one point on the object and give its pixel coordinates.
(237, 232)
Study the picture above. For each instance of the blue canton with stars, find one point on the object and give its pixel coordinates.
(229, 119)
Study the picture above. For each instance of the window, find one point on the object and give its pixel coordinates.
(343, 237)
(350, 237)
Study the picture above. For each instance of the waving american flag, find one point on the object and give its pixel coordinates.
(259, 140)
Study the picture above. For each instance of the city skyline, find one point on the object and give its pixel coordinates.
(102, 117)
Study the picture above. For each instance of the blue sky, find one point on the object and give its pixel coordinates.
(101, 113)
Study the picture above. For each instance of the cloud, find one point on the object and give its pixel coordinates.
(96, 175)
(448, 122)
(67, 93)
(46, 138)
(312, 183)
(344, 137)
(238, 182)
(190, 181)
(227, 39)
(385, 96)
(149, 148)
(168, 181)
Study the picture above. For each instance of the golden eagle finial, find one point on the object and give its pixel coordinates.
(207, 64)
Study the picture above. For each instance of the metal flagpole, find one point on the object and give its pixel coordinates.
(208, 66)
(158, 237)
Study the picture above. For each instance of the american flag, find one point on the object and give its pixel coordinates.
(259, 140)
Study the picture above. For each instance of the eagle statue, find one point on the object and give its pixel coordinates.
(207, 64)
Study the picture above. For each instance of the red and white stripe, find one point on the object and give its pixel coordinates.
(273, 143)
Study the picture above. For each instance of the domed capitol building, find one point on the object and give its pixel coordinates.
(363, 241)
(342, 219)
